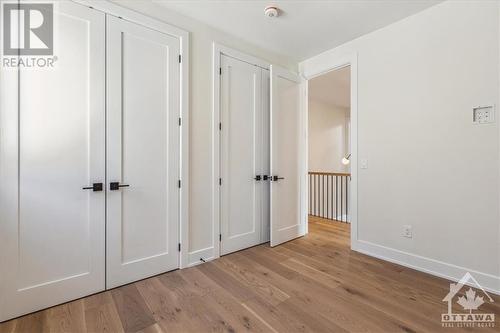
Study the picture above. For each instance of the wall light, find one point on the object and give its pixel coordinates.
(345, 160)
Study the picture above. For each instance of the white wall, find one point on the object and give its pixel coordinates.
(328, 133)
(201, 240)
(428, 165)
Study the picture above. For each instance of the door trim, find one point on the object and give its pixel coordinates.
(323, 68)
(183, 36)
(218, 51)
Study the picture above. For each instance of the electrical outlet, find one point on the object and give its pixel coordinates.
(483, 115)
(407, 231)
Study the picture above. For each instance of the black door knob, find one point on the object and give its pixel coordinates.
(96, 187)
(113, 186)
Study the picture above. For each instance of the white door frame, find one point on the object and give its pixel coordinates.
(183, 36)
(328, 66)
(218, 51)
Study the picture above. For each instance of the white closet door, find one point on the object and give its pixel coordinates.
(53, 145)
(142, 152)
(241, 155)
(286, 135)
(266, 163)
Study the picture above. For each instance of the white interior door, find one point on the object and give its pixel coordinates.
(286, 145)
(142, 152)
(241, 155)
(53, 145)
(266, 162)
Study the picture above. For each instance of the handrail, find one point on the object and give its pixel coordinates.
(329, 195)
(329, 173)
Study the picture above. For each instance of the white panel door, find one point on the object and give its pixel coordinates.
(142, 152)
(266, 164)
(241, 155)
(286, 134)
(53, 145)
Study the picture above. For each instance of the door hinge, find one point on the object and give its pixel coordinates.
(180, 121)
(220, 70)
(220, 181)
(180, 58)
(220, 126)
(220, 237)
(179, 183)
(179, 247)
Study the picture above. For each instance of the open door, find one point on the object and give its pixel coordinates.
(286, 129)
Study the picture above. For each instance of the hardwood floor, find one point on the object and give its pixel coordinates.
(312, 284)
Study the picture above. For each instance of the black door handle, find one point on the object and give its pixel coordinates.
(258, 177)
(276, 178)
(265, 177)
(113, 186)
(96, 187)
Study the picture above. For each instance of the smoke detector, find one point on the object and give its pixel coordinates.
(271, 11)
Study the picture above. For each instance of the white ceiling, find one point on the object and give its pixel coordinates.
(304, 28)
(332, 88)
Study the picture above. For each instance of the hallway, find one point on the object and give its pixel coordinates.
(311, 284)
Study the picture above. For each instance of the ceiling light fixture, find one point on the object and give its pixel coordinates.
(271, 11)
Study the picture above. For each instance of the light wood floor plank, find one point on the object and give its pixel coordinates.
(132, 309)
(69, 317)
(311, 284)
(101, 314)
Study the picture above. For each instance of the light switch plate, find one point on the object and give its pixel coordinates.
(363, 163)
(483, 115)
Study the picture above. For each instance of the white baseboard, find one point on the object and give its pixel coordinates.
(207, 254)
(489, 282)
